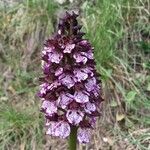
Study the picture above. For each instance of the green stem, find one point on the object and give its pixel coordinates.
(73, 138)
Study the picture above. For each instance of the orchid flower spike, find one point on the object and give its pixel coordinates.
(70, 89)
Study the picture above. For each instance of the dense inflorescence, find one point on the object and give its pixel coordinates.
(70, 89)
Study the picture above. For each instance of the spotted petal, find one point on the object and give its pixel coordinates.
(84, 42)
(91, 84)
(55, 57)
(67, 80)
(59, 71)
(83, 135)
(43, 89)
(69, 48)
(88, 70)
(64, 99)
(89, 107)
(46, 67)
(80, 75)
(47, 50)
(74, 117)
(60, 129)
(96, 91)
(88, 54)
(50, 107)
(81, 97)
(55, 84)
(80, 58)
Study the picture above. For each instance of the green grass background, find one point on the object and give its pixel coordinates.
(119, 30)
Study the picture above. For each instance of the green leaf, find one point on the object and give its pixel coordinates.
(131, 96)
(148, 87)
(145, 46)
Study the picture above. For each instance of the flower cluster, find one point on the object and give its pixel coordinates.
(70, 89)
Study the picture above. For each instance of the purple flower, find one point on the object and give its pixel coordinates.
(49, 107)
(55, 57)
(67, 80)
(43, 89)
(81, 96)
(79, 57)
(80, 75)
(47, 50)
(84, 135)
(69, 48)
(60, 129)
(55, 84)
(64, 99)
(89, 107)
(59, 71)
(92, 87)
(70, 89)
(45, 67)
(74, 116)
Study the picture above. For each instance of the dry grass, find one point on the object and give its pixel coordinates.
(119, 31)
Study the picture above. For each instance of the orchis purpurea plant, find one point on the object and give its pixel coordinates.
(70, 89)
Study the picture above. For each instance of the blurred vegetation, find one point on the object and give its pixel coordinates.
(120, 32)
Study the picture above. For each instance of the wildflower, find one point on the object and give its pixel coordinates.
(70, 89)
(84, 135)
